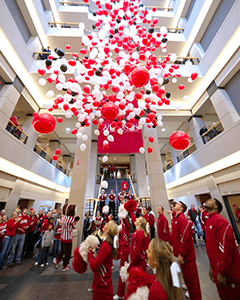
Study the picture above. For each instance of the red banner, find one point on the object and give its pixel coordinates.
(128, 142)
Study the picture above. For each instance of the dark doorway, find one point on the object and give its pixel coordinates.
(232, 204)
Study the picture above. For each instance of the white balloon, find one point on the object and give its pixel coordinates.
(47, 105)
(105, 142)
(42, 81)
(83, 147)
(188, 63)
(78, 125)
(61, 78)
(110, 138)
(68, 114)
(49, 94)
(173, 57)
(59, 86)
(105, 158)
(82, 129)
(104, 184)
(84, 137)
(105, 132)
(78, 104)
(160, 80)
(79, 135)
(190, 80)
(142, 121)
(67, 97)
(163, 30)
(75, 87)
(164, 50)
(120, 131)
(135, 55)
(96, 131)
(53, 76)
(160, 123)
(185, 98)
(98, 113)
(174, 80)
(142, 150)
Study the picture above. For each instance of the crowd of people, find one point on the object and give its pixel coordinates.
(109, 171)
(27, 233)
(158, 252)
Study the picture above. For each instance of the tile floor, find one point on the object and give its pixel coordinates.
(30, 282)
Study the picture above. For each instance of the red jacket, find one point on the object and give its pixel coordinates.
(98, 223)
(139, 245)
(45, 225)
(103, 197)
(58, 233)
(138, 209)
(24, 221)
(182, 238)
(238, 214)
(124, 234)
(33, 221)
(221, 248)
(111, 197)
(151, 219)
(146, 216)
(156, 291)
(11, 228)
(121, 196)
(2, 227)
(102, 268)
(204, 218)
(163, 229)
(129, 197)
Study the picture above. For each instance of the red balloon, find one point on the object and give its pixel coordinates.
(194, 76)
(151, 139)
(57, 151)
(109, 111)
(140, 77)
(150, 149)
(181, 87)
(55, 157)
(179, 140)
(44, 123)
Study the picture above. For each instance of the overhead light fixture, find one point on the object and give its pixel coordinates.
(163, 129)
(48, 144)
(214, 123)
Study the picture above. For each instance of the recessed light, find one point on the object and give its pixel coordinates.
(47, 143)
(163, 129)
(214, 123)
(68, 129)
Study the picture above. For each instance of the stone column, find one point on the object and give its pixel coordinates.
(141, 175)
(79, 178)
(224, 108)
(92, 171)
(13, 198)
(174, 154)
(66, 162)
(28, 129)
(9, 97)
(195, 125)
(133, 171)
(53, 145)
(156, 179)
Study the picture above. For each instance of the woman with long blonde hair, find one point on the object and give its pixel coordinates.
(102, 264)
(160, 259)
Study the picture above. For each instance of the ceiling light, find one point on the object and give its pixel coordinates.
(163, 129)
(68, 129)
(214, 123)
(47, 143)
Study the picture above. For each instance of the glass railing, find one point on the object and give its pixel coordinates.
(16, 130)
(192, 148)
(168, 166)
(212, 132)
(43, 153)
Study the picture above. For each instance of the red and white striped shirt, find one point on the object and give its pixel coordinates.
(68, 224)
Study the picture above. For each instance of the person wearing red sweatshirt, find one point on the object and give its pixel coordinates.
(11, 228)
(29, 237)
(3, 226)
(98, 222)
(222, 252)
(163, 228)
(19, 238)
(123, 252)
(183, 249)
(101, 265)
(139, 244)
(121, 197)
(129, 196)
(138, 210)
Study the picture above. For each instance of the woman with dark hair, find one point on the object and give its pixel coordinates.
(160, 258)
(101, 265)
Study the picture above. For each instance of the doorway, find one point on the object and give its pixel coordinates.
(232, 205)
(25, 203)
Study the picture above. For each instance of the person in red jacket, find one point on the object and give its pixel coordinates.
(123, 252)
(204, 218)
(138, 209)
(101, 265)
(129, 196)
(222, 252)
(3, 226)
(102, 199)
(139, 244)
(29, 238)
(11, 228)
(112, 197)
(98, 222)
(151, 216)
(163, 228)
(121, 197)
(183, 249)
(19, 238)
(237, 209)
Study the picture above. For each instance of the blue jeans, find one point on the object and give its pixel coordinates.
(39, 250)
(45, 253)
(7, 245)
(56, 247)
(18, 241)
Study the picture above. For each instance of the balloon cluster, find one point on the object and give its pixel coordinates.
(55, 156)
(116, 69)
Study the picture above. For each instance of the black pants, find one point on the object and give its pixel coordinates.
(152, 231)
(112, 208)
(102, 203)
(29, 244)
(66, 249)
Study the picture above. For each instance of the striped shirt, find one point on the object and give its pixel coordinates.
(68, 224)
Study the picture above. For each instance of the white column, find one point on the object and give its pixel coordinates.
(156, 180)
(9, 97)
(195, 125)
(28, 129)
(13, 198)
(92, 171)
(174, 154)
(224, 108)
(141, 175)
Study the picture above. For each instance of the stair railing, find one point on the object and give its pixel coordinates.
(97, 200)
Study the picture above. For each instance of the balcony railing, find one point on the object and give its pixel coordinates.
(172, 30)
(192, 148)
(168, 166)
(17, 132)
(146, 201)
(212, 132)
(40, 151)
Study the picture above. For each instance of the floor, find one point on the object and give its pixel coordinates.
(35, 283)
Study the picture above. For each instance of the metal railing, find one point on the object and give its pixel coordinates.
(90, 205)
(172, 30)
(97, 200)
(146, 201)
(17, 132)
(130, 179)
(41, 152)
(134, 177)
(190, 149)
(212, 132)
(168, 166)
